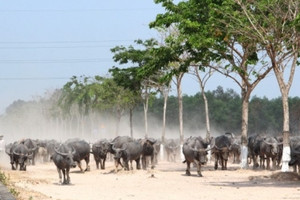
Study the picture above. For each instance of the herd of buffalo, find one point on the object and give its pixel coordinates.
(123, 150)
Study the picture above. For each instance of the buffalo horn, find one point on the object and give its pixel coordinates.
(113, 147)
(17, 153)
(268, 143)
(60, 153)
(8, 153)
(30, 155)
(295, 151)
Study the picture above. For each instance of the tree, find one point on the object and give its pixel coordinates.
(127, 78)
(141, 73)
(97, 93)
(275, 27)
(207, 35)
(202, 82)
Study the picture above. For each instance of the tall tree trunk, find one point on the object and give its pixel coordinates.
(180, 107)
(118, 120)
(130, 121)
(163, 135)
(284, 89)
(245, 117)
(146, 102)
(180, 112)
(207, 123)
(165, 95)
(206, 115)
(286, 133)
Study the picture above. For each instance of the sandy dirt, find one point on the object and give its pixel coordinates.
(167, 181)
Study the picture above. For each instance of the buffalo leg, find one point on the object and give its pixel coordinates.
(198, 168)
(79, 165)
(104, 162)
(97, 162)
(59, 175)
(131, 168)
(216, 161)
(64, 173)
(68, 176)
(117, 162)
(268, 163)
(13, 166)
(144, 163)
(126, 164)
(138, 163)
(87, 161)
(255, 163)
(225, 164)
(274, 163)
(152, 162)
(188, 167)
(262, 162)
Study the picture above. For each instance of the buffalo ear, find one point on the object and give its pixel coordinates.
(151, 141)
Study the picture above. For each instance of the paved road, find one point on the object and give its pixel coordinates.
(5, 194)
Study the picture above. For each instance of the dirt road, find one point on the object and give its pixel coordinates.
(168, 181)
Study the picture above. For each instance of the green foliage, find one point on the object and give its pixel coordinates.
(5, 181)
(3, 178)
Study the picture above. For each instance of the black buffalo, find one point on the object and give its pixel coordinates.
(63, 159)
(171, 147)
(295, 153)
(295, 159)
(19, 154)
(32, 147)
(148, 152)
(269, 150)
(118, 142)
(129, 151)
(82, 149)
(100, 150)
(254, 149)
(195, 150)
(156, 151)
(221, 147)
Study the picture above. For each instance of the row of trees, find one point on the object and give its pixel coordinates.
(45, 116)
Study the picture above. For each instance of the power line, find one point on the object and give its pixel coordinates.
(33, 78)
(65, 42)
(89, 60)
(81, 10)
(59, 47)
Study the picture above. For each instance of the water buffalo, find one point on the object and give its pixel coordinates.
(19, 154)
(269, 150)
(129, 151)
(156, 151)
(118, 143)
(221, 146)
(148, 151)
(171, 147)
(235, 150)
(32, 147)
(82, 149)
(100, 150)
(253, 149)
(63, 159)
(295, 153)
(194, 151)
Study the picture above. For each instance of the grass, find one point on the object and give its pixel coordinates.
(5, 181)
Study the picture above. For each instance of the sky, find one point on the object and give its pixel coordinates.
(44, 43)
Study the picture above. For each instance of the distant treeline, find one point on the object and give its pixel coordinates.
(265, 115)
(29, 118)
